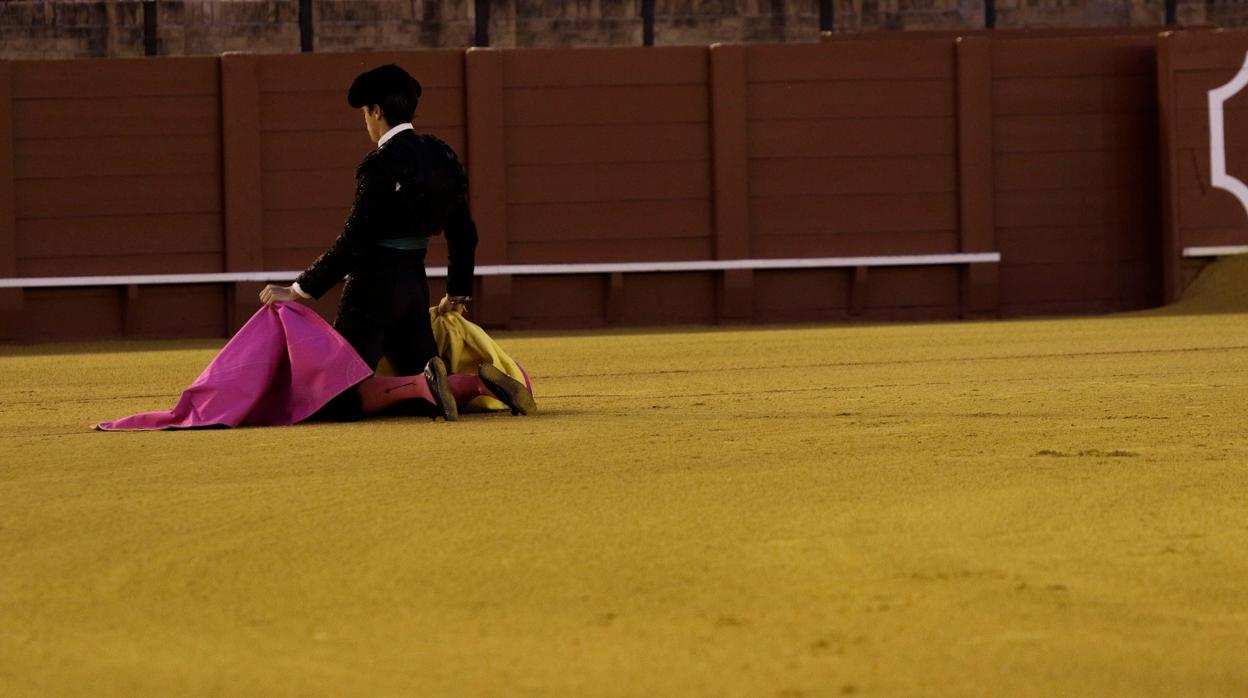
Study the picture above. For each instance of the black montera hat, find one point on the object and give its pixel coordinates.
(389, 87)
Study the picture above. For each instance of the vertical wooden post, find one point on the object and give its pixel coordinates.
(647, 22)
(487, 177)
(1167, 113)
(481, 8)
(306, 43)
(730, 154)
(241, 186)
(130, 303)
(980, 282)
(615, 297)
(858, 290)
(151, 40)
(10, 298)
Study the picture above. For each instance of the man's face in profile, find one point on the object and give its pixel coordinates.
(374, 122)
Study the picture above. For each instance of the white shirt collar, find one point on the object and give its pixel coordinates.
(391, 133)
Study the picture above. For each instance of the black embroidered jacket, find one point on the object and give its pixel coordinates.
(413, 186)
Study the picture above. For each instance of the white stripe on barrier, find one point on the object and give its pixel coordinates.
(529, 269)
(1215, 251)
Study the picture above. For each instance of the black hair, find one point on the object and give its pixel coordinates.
(389, 87)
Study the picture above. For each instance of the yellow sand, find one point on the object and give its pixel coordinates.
(1039, 508)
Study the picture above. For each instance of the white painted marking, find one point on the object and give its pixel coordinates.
(530, 270)
(1217, 136)
(1215, 251)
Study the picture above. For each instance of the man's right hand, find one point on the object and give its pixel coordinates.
(273, 294)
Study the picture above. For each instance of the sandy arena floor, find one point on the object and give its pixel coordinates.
(1038, 508)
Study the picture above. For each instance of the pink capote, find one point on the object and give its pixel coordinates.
(282, 366)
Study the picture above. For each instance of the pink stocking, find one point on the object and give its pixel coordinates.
(379, 392)
(466, 386)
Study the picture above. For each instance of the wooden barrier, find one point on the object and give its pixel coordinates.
(1198, 211)
(116, 168)
(10, 299)
(1040, 149)
(1076, 174)
(853, 148)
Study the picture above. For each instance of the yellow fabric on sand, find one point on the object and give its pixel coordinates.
(464, 346)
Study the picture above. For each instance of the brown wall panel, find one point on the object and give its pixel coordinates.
(294, 258)
(804, 215)
(1109, 208)
(858, 175)
(80, 197)
(630, 220)
(856, 245)
(302, 228)
(1068, 243)
(856, 147)
(1059, 132)
(111, 264)
(730, 175)
(870, 60)
(606, 104)
(1112, 285)
(10, 299)
(620, 181)
(1073, 95)
(293, 151)
(607, 157)
(62, 314)
(118, 167)
(1192, 92)
(1207, 208)
(326, 190)
(558, 301)
(801, 295)
(101, 236)
(546, 145)
(177, 311)
(667, 65)
(856, 152)
(850, 99)
(1197, 213)
(980, 284)
(912, 287)
(578, 251)
(1194, 166)
(1192, 128)
(1075, 169)
(110, 78)
(144, 117)
(827, 138)
(688, 298)
(1068, 57)
(111, 156)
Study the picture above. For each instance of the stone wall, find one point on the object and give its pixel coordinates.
(92, 28)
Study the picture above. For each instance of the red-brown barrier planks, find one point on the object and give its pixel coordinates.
(1042, 146)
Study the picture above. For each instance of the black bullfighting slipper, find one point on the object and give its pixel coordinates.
(508, 390)
(440, 389)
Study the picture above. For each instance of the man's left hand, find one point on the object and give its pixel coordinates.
(273, 294)
(452, 304)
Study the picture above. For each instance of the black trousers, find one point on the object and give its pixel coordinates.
(384, 311)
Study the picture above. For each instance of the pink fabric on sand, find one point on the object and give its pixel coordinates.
(280, 368)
